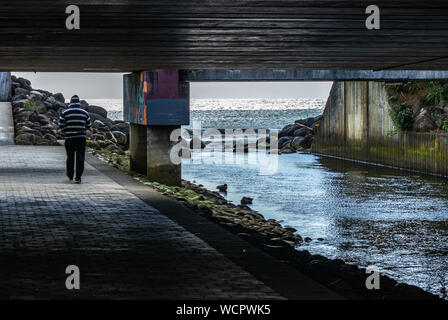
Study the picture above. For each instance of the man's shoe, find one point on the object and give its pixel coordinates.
(78, 181)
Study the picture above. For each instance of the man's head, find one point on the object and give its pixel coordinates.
(74, 101)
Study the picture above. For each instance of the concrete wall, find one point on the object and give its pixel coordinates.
(150, 149)
(357, 125)
(5, 86)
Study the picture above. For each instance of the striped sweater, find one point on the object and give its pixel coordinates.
(74, 121)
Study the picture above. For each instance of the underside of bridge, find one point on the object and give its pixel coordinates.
(135, 35)
(218, 40)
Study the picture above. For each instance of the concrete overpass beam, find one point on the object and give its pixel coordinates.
(156, 102)
(309, 75)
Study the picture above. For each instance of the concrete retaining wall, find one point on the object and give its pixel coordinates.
(356, 125)
(5, 86)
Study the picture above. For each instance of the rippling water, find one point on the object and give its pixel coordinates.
(367, 215)
(253, 113)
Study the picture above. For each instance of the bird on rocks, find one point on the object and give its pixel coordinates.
(222, 188)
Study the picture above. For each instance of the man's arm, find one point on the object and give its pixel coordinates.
(88, 122)
(62, 121)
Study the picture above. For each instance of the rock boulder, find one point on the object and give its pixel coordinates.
(423, 122)
(98, 110)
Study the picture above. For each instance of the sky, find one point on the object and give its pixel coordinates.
(110, 86)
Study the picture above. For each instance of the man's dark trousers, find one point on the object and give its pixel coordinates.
(76, 148)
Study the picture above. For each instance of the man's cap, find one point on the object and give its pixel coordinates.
(74, 99)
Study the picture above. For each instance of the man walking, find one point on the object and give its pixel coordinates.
(74, 122)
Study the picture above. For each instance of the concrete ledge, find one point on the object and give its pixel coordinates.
(419, 152)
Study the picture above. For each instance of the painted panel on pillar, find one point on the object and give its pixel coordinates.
(156, 98)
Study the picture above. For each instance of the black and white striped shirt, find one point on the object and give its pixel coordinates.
(74, 121)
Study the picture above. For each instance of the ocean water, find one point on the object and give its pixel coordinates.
(237, 113)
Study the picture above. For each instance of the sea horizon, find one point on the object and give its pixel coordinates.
(225, 113)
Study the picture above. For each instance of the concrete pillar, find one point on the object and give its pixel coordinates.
(159, 166)
(155, 103)
(5, 86)
(137, 148)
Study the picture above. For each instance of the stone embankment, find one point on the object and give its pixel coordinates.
(36, 116)
(298, 136)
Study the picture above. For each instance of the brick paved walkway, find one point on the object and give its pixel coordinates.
(123, 247)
